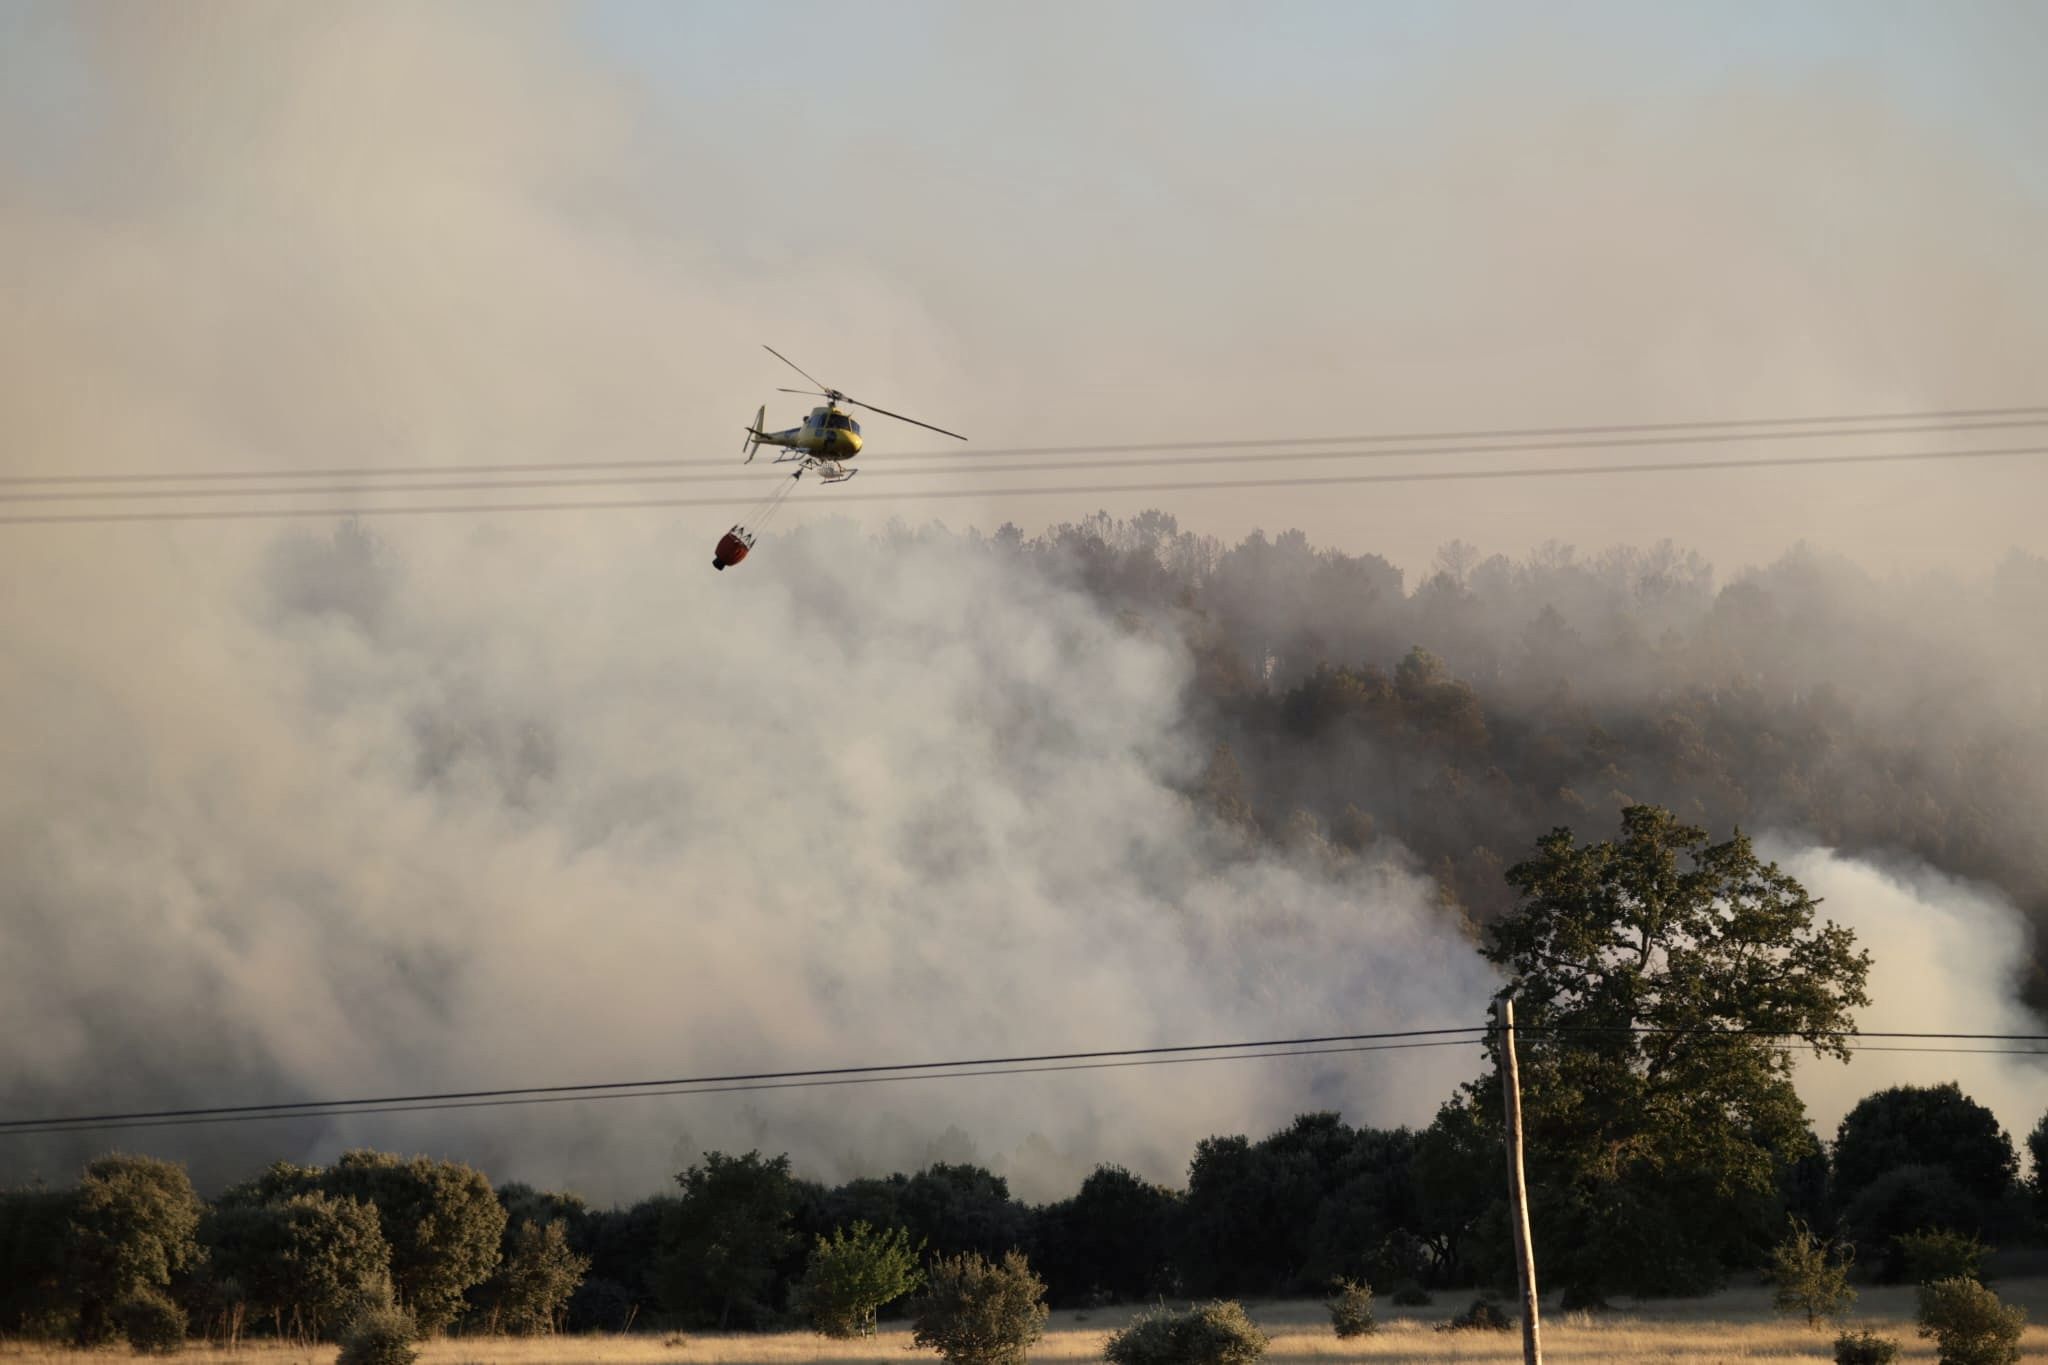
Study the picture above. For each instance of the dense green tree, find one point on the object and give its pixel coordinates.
(442, 1222)
(1969, 1324)
(721, 1241)
(1923, 1125)
(1653, 975)
(538, 1273)
(854, 1273)
(134, 1225)
(1214, 1333)
(1906, 1200)
(308, 1262)
(1114, 1238)
(2037, 1148)
(35, 1238)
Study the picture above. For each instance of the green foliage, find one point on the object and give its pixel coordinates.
(1923, 1125)
(35, 1248)
(2037, 1148)
(854, 1273)
(1811, 1275)
(1940, 1255)
(380, 1336)
(1114, 1240)
(977, 1312)
(1648, 972)
(1969, 1324)
(1214, 1333)
(1483, 1316)
(1904, 1201)
(134, 1224)
(1409, 1294)
(1865, 1348)
(1315, 1201)
(721, 1241)
(1351, 1309)
(440, 1219)
(308, 1262)
(152, 1323)
(538, 1273)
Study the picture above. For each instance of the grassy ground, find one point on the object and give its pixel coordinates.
(1734, 1326)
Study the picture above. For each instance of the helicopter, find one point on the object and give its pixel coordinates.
(824, 442)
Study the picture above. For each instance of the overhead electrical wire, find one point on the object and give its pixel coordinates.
(1851, 424)
(738, 473)
(1040, 1064)
(1065, 490)
(750, 1077)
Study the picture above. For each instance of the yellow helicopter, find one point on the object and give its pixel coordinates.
(828, 437)
(825, 441)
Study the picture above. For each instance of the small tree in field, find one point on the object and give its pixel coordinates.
(1811, 1275)
(1215, 1333)
(853, 1273)
(1865, 1348)
(1350, 1308)
(977, 1312)
(1969, 1324)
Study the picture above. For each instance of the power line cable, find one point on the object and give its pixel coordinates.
(747, 1077)
(383, 1110)
(738, 473)
(1061, 490)
(1854, 424)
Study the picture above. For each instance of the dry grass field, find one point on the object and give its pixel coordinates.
(1734, 1326)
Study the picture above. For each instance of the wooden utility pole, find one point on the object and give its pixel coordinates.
(1518, 1188)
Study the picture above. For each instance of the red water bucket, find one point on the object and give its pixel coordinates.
(732, 548)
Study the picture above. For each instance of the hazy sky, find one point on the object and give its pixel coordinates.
(557, 232)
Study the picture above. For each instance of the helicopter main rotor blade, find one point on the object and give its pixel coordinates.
(792, 364)
(815, 393)
(901, 418)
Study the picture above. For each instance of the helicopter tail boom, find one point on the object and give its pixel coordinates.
(754, 434)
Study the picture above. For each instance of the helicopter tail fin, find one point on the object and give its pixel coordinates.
(754, 434)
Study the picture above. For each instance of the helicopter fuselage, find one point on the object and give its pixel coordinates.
(827, 433)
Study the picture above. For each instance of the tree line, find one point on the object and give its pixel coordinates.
(1658, 977)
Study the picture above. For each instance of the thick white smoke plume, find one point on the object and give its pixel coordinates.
(1946, 957)
(493, 810)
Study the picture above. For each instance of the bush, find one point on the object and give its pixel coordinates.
(1351, 1309)
(1409, 1294)
(380, 1336)
(1865, 1348)
(152, 1323)
(1969, 1324)
(978, 1312)
(1215, 1333)
(1483, 1316)
(1940, 1255)
(1811, 1275)
(852, 1274)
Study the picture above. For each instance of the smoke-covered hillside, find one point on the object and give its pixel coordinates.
(1497, 699)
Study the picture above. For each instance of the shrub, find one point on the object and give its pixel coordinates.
(1351, 1309)
(852, 1274)
(977, 1312)
(380, 1336)
(1940, 1255)
(1409, 1294)
(1811, 1274)
(1483, 1316)
(1968, 1323)
(152, 1323)
(1215, 1333)
(1865, 1348)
